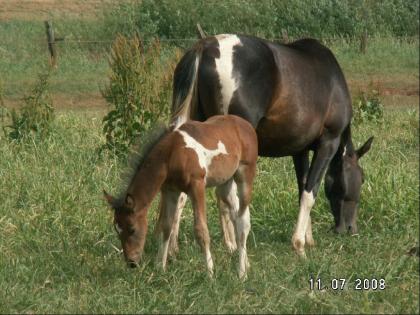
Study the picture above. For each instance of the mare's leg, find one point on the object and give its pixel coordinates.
(243, 178)
(198, 198)
(167, 213)
(301, 163)
(227, 201)
(322, 156)
(173, 240)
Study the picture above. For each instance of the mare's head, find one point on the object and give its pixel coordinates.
(343, 183)
(130, 225)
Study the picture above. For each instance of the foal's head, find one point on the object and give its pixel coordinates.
(130, 225)
(343, 183)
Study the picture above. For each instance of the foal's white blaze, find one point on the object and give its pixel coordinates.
(306, 203)
(224, 67)
(205, 156)
(345, 150)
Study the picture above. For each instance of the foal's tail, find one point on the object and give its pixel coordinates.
(184, 97)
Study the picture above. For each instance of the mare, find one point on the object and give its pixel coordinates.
(296, 97)
(221, 152)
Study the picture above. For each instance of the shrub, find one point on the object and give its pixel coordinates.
(368, 107)
(138, 91)
(36, 115)
(321, 19)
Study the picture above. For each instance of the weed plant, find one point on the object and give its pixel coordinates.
(34, 119)
(138, 91)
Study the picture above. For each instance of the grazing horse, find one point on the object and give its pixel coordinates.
(296, 97)
(222, 152)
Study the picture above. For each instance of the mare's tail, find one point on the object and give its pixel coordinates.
(184, 97)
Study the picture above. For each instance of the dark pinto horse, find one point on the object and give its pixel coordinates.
(296, 97)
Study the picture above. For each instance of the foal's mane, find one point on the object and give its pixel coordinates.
(138, 156)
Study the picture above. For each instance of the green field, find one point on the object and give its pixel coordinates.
(59, 249)
(59, 252)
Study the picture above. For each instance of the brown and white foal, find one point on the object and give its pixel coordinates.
(222, 152)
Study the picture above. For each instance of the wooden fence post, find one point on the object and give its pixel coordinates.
(200, 31)
(51, 43)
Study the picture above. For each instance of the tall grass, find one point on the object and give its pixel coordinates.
(59, 250)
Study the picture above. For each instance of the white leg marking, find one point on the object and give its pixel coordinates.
(228, 192)
(205, 156)
(306, 203)
(173, 241)
(224, 67)
(308, 235)
(209, 262)
(243, 226)
(163, 254)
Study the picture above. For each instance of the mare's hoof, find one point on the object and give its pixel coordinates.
(299, 247)
(310, 242)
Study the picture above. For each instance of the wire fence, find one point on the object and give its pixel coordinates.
(86, 72)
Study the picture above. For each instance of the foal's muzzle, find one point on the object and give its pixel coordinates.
(132, 264)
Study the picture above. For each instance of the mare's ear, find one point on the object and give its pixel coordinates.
(364, 148)
(108, 198)
(129, 201)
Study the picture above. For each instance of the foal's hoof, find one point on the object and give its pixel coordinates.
(173, 251)
(301, 254)
(231, 247)
(243, 275)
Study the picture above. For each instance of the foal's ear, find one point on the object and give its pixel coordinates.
(108, 198)
(364, 148)
(129, 201)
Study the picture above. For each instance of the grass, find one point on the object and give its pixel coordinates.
(59, 248)
(59, 252)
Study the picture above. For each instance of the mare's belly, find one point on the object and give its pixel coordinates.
(282, 137)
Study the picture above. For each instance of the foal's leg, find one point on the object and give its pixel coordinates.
(198, 198)
(166, 220)
(322, 156)
(301, 163)
(173, 239)
(243, 177)
(227, 201)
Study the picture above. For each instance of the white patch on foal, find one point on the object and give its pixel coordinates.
(205, 156)
(224, 67)
(345, 150)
